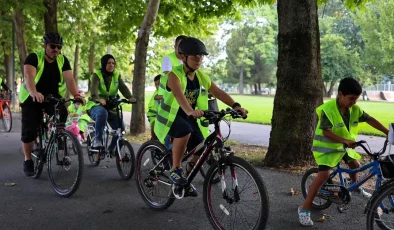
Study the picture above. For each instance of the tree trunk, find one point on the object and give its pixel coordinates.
(241, 82)
(7, 66)
(259, 86)
(331, 89)
(299, 88)
(255, 88)
(76, 60)
(20, 37)
(50, 16)
(91, 62)
(137, 123)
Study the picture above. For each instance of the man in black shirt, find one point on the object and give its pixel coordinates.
(47, 72)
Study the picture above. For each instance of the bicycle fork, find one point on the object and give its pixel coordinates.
(224, 186)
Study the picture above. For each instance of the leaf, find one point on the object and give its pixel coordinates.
(294, 192)
(105, 166)
(323, 218)
(31, 209)
(9, 184)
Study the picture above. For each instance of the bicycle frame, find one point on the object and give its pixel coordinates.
(374, 171)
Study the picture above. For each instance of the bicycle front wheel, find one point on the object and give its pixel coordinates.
(154, 185)
(65, 163)
(240, 201)
(380, 212)
(126, 162)
(7, 118)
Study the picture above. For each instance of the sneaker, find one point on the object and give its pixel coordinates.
(190, 190)
(304, 216)
(364, 193)
(177, 177)
(28, 167)
(97, 144)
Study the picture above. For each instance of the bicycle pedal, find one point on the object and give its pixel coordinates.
(343, 208)
(178, 191)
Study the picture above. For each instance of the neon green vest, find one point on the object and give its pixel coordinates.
(1, 80)
(152, 107)
(24, 93)
(326, 151)
(102, 89)
(164, 77)
(169, 106)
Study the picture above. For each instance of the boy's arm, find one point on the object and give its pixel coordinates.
(330, 135)
(377, 125)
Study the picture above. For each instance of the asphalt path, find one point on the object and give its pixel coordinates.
(104, 201)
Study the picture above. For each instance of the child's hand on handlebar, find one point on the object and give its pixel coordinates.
(101, 101)
(79, 99)
(131, 99)
(242, 110)
(196, 113)
(350, 144)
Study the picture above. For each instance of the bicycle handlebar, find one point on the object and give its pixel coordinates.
(217, 115)
(361, 144)
(50, 98)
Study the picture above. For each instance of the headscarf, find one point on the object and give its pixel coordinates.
(104, 61)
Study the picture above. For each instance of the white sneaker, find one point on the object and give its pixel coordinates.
(364, 193)
(304, 217)
(97, 144)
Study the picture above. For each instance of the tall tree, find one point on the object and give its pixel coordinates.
(299, 88)
(50, 16)
(138, 119)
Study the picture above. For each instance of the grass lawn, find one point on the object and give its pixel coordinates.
(260, 110)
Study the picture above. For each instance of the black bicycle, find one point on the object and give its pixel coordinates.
(60, 150)
(239, 201)
(124, 153)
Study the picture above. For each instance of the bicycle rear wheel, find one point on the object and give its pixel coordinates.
(240, 201)
(65, 167)
(154, 186)
(380, 212)
(7, 118)
(38, 158)
(126, 163)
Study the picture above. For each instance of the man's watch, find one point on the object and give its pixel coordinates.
(236, 104)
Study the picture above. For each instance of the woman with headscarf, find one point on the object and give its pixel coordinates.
(105, 83)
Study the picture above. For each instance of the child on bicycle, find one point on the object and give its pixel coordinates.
(152, 108)
(182, 98)
(337, 126)
(78, 120)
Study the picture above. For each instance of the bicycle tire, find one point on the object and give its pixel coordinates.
(305, 192)
(93, 157)
(374, 204)
(66, 135)
(38, 159)
(127, 159)
(143, 151)
(6, 110)
(261, 194)
(205, 167)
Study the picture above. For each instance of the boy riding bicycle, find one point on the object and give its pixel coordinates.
(182, 98)
(337, 126)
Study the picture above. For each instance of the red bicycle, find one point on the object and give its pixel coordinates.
(5, 111)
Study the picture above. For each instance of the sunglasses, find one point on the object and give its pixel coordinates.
(53, 46)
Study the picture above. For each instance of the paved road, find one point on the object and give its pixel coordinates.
(104, 201)
(256, 134)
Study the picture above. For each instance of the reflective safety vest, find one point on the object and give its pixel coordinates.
(326, 151)
(164, 77)
(169, 106)
(102, 89)
(152, 107)
(24, 93)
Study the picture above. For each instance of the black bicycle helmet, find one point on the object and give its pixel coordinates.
(52, 37)
(192, 46)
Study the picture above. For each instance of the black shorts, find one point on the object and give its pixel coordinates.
(32, 115)
(182, 127)
(345, 158)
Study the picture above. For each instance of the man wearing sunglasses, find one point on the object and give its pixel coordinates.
(46, 72)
